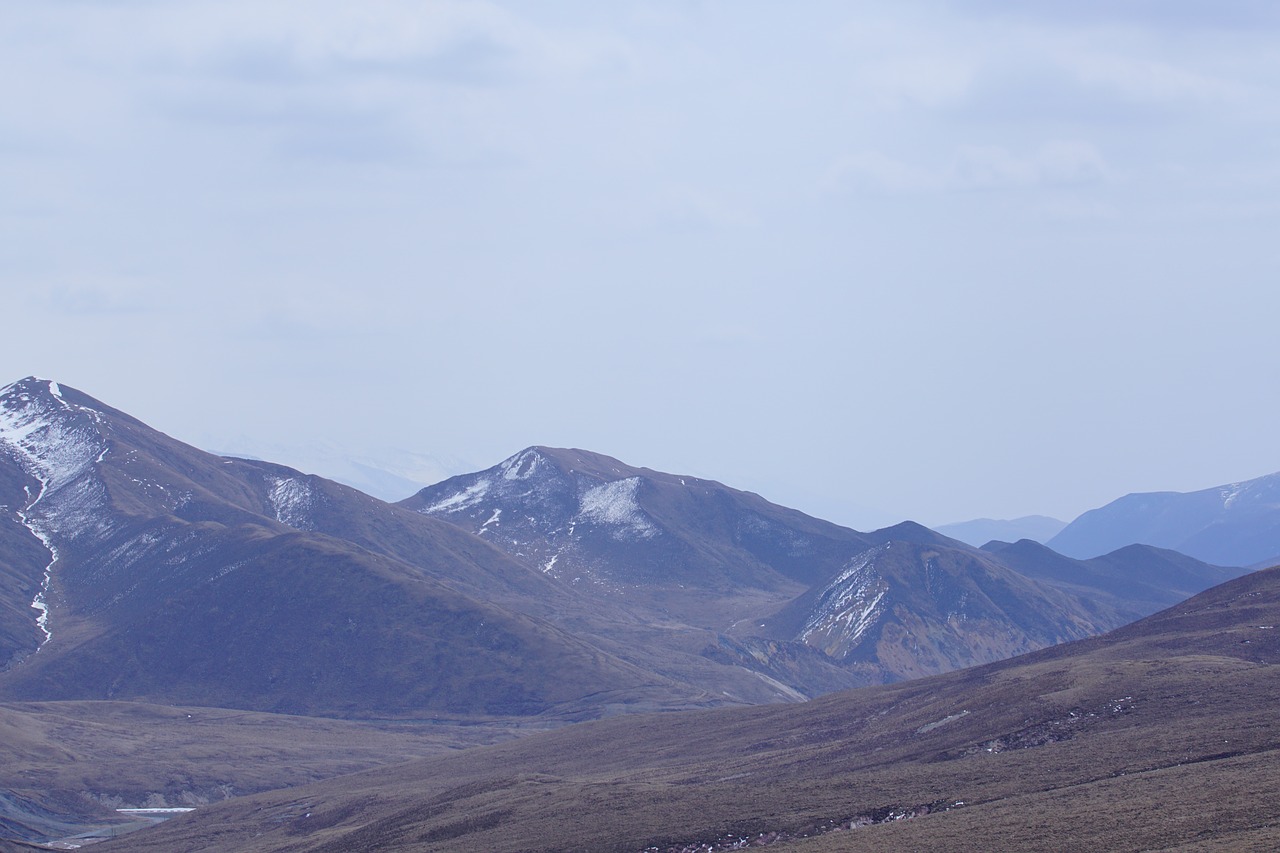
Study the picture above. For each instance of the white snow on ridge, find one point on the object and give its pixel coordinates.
(464, 499)
(522, 466)
(51, 445)
(292, 499)
(614, 504)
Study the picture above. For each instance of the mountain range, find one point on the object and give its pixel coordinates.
(558, 586)
(1237, 524)
(557, 582)
(980, 531)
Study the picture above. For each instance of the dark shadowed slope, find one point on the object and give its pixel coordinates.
(1156, 735)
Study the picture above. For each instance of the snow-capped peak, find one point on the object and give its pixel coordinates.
(58, 443)
(52, 439)
(523, 465)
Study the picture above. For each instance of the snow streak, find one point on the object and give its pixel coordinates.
(58, 443)
(848, 606)
(292, 499)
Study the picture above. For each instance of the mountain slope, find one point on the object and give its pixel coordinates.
(591, 519)
(895, 603)
(1156, 735)
(559, 582)
(1232, 525)
(907, 609)
(1135, 581)
(172, 575)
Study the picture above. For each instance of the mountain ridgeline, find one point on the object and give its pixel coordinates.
(559, 583)
(1237, 524)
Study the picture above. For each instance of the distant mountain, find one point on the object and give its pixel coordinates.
(980, 531)
(386, 474)
(1078, 747)
(678, 543)
(906, 609)
(1135, 580)
(1232, 525)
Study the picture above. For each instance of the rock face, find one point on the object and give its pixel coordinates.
(1233, 525)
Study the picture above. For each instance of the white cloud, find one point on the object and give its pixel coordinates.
(1054, 164)
(1057, 163)
(1149, 80)
(917, 81)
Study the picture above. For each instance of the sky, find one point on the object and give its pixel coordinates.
(873, 260)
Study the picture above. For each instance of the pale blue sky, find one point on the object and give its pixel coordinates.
(873, 260)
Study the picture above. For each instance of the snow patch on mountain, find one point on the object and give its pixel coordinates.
(292, 499)
(458, 501)
(493, 519)
(614, 504)
(54, 442)
(522, 466)
(51, 444)
(848, 606)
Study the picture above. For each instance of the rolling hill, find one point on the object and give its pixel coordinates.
(1159, 735)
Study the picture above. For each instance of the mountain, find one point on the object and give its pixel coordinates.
(1039, 528)
(1232, 525)
(164, 573)
(1135, 580)
(776, 584)
(681, 544)
(906, 609)
(387, 473)
(1159, 735)
(559, 583)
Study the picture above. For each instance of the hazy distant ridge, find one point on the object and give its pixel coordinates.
(1237, 524)
(980, 531)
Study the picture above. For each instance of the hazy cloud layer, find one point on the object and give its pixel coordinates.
(942, 260)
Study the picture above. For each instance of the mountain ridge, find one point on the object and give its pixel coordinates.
(1235, 524)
